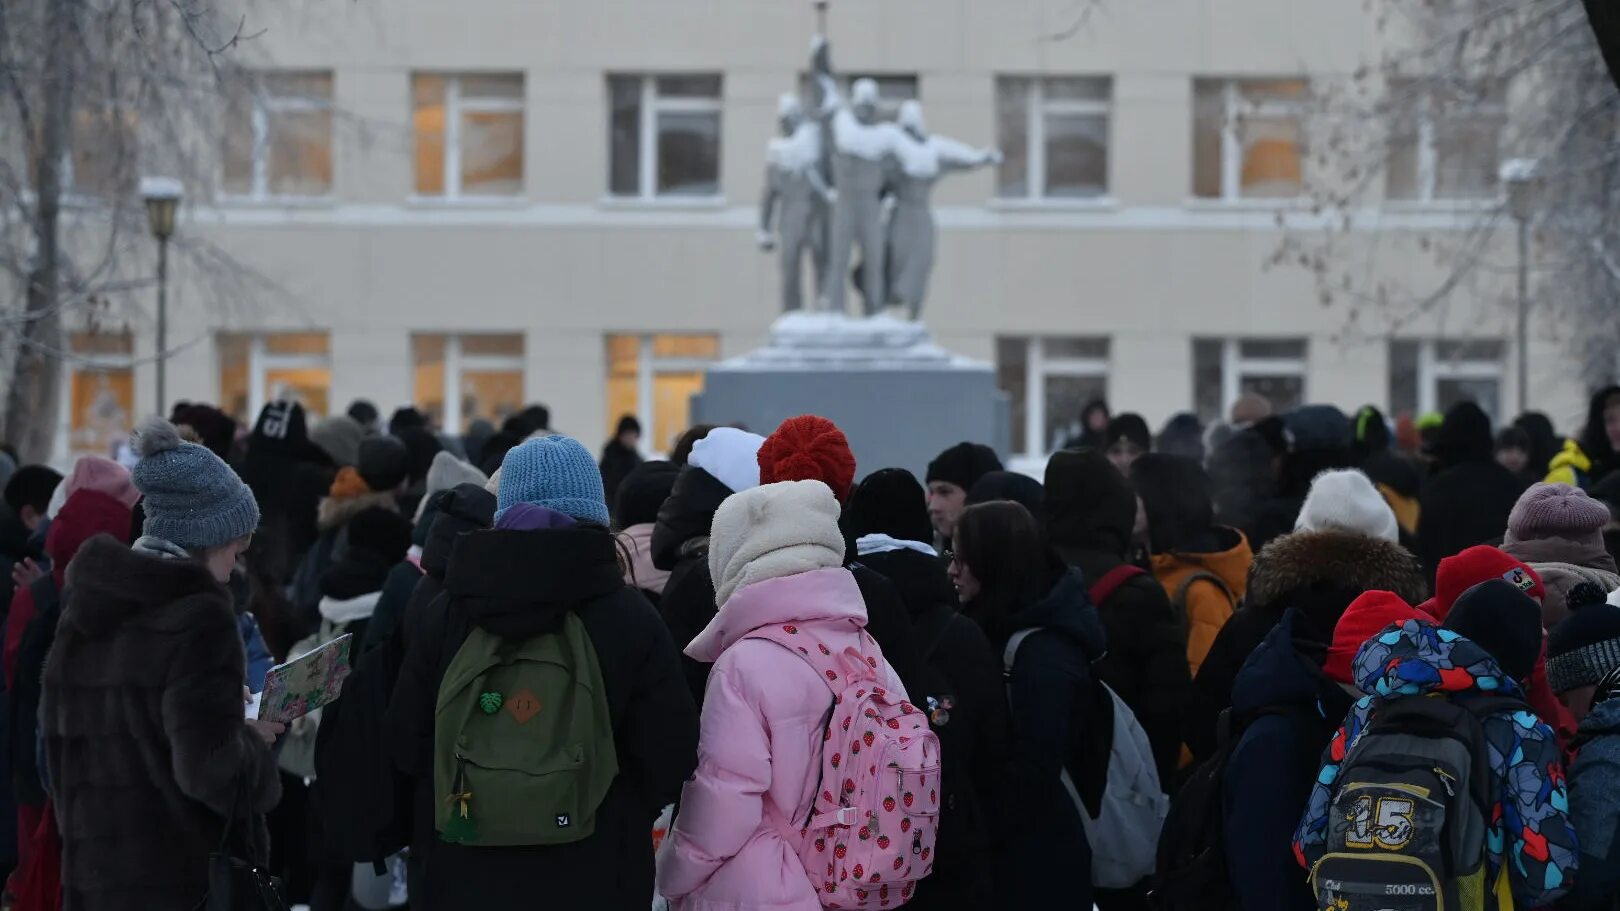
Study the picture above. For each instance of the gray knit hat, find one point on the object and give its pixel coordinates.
(192, 499)
(1585, 647)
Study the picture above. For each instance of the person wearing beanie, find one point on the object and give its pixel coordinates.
(365, 414)
(1094, 420)
(1513, 453)
(1346, 501)
(1468, 497)
(1128, 439)
(1558, 530)
(1203, 567)
(1314, 438)
(94, 473)
(421, 447)
(1399, 478)
(447, 472)
(143, 687)
(1583, 665)
(1250, 408)
(339, 437)
(1530, 840)
(406, 418)
(550, 556)
(950, 476)
(806, 448)
(289, 476)
(776, 556)
(620, 455)
(1503, 620)
(1366, 617)
(374, 481)
(635, 515)
(1183, 435)
(1008, 485)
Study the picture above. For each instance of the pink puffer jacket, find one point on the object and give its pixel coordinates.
(759, 753)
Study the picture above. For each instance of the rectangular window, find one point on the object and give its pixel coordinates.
(1050, 381)
(278, 136)
(1432, 375)
(258, 368)
(103, 160)
(469, 134)
(101, 391)
(1054, 137)
(664, 136)
(1249, 138)
(1444, 145)
(1225, 369)
(654, 377)
(458, 379)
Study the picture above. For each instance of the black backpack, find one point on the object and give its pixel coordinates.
(1191, 873)
(364, 800)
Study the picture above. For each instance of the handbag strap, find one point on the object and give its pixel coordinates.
(241, 813)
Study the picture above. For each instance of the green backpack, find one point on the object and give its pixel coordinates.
(523, 740)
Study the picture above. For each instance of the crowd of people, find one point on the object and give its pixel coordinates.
(1293, 661)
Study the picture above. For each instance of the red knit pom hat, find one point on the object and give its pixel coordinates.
(1457, 574)
(1366, 617)
(808, 448)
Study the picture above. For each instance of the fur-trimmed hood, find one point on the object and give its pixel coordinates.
(335, 512)
(1329, 558)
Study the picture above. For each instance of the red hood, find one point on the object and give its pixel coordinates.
(86, 513)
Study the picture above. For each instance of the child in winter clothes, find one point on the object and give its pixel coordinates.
(1583, 666)
(776, 555)
(1558, 530)
(1529, 838)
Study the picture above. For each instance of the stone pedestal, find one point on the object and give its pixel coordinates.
(899, 398)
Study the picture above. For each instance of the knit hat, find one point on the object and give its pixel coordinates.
(643, 491)
(1315, 428)
(404, 418)
(889, 502)
(963, 465)
(1456, 574)
(1347, 501)
(1500, 618)
(98, 474)
(1585, 647)
(1130, 427)
(446, 472)
(555, 472)
(730, 456)
(1250, 407)
(381, 463)
(773, 531)
(808, 448)
(1182, 435)
(380, 533)
(1557, 511)
(193, 499)
(1366, 617)
(365, 414)
(339, 436)
(1010, 486)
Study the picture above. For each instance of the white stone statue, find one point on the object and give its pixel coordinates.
(793, 215)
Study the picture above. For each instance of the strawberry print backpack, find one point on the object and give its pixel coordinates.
(870, 832)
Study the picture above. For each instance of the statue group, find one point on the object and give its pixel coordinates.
(869, 187)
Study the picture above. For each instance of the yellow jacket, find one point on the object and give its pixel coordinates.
(1208, 605)
(1570, 466)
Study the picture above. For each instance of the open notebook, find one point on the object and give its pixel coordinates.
(303, 684)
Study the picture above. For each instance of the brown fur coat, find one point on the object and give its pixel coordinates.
(145, 743)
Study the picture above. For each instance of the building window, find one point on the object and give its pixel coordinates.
(1054, 136)
(278, 137)
(103, 159)
(461, 378)
(1444, 146)
(258, 368)
(469, 134)
(1432, 375)
(1050, 381)
(654, 378)
(1249, 138)
(101, 391)
(1225, 369)
(664, 133)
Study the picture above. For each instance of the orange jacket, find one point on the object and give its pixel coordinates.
(1207, 606)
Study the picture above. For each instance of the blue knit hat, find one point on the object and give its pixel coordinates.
(192, 498)
(555, 472)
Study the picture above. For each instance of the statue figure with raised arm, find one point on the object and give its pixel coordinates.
(860, 145)
(794, 212)
(920, 160)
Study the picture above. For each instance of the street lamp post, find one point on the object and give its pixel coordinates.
(1521, 179)
(162, 196)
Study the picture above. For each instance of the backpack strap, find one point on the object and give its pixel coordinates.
(1010, 654)
(1112, 580)
(1178, 604)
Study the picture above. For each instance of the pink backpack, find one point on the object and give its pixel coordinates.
(871, 828)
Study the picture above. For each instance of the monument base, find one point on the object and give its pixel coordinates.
(899, 398)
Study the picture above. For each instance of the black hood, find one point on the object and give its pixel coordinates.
(518, 584)
(1175, 494)
(1465, 436)
(687, 514)
(920, 579)
(463, 508)
(1010, 486)
(1067, 610)
(1594, 438)
(1243, 479)
(1544, 440)
(1286, 670)
(643, 492)
(1089, 505)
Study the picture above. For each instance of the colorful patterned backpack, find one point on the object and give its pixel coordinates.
(870, 832)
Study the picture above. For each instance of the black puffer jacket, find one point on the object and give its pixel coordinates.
(1090, 510)
(519, 584)
(1468, 498)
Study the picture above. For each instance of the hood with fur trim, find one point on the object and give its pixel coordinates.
(336, 512)
(1307, 559)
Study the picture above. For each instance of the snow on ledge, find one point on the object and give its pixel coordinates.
(833, 341)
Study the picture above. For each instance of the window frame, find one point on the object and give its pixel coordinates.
(1233, 108)
(1235, 367)
(1036, 107)
(261, 361)
(1429, 114)
(458, 364)
(1038, 368)
(262, 104)
(454, 107)
(1432, 369)
(75, 363)
(650, 105)
(648, 365)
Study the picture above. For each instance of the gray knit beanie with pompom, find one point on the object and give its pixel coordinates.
(192, 498)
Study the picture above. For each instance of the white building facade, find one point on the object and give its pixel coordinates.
(470, 208)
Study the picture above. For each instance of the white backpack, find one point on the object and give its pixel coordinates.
(1124, 835)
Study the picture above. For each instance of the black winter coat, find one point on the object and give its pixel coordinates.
(1319, 573)
(618, 460)
(1467, 501)
(1291, 710)
(959, 665)
(519, 584)
(144, 739)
